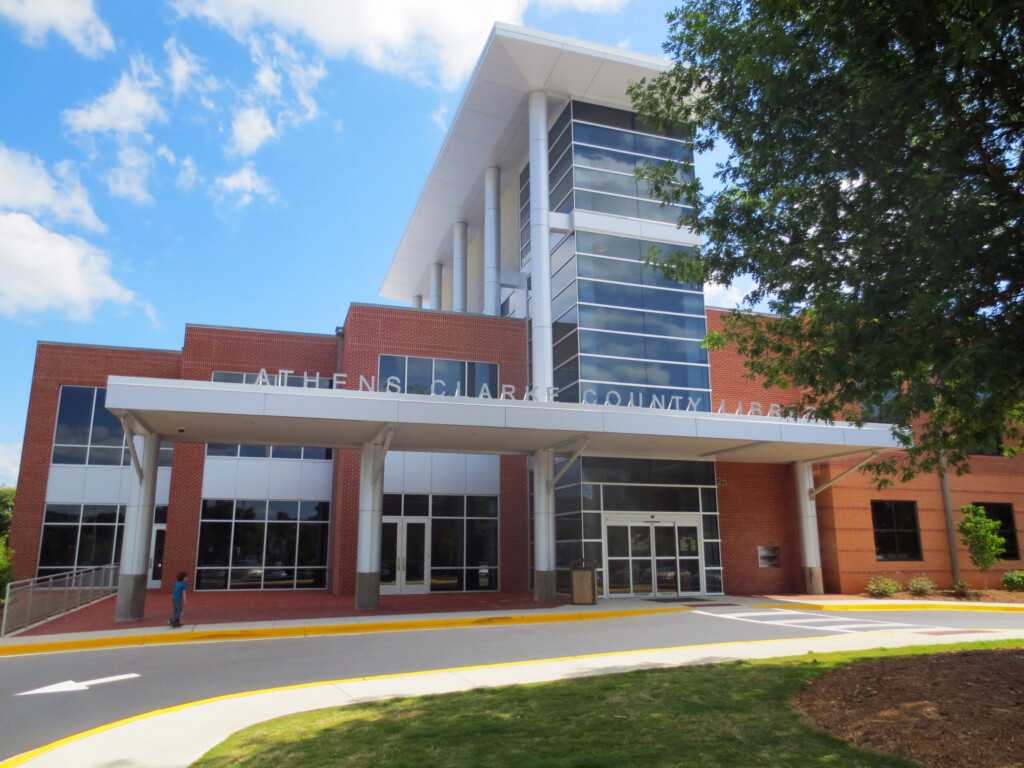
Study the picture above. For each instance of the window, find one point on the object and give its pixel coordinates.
(896, 533)
(1007, 526)
(78, 536)
(87, 433)
(233, 451)
(261, 544)
(429, 376)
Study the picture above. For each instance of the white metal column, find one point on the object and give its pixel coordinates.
(492, 241)
(459, 267)
(435, 285)
(544, 526)
(138, 533)
(371, 507)
(540, 248)
(417, 302)
(810, 549)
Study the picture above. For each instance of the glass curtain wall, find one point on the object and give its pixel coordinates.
(644, 493)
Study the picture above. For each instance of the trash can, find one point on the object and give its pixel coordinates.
(584, 582)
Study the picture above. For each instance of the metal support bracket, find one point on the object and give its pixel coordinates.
(382, 441)
(129, 436)
(580, 448)
(812, 492)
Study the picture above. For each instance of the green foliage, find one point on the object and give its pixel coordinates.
(1013, 581)
(962, 588)
(6, 508)
(875, 192)
(6, 567)
(921, 586)
(883, 586)
(981, 537)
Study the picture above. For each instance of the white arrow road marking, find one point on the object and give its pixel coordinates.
(71, 685)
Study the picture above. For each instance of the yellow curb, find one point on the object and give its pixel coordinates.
(26, 756)
(896, 607)
(215, 635)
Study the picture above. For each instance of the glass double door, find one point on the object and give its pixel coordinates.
(653, 557)
(404, 556)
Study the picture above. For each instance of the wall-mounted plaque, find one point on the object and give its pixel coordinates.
(768, 557)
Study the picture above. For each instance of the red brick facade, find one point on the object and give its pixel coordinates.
(757, 503)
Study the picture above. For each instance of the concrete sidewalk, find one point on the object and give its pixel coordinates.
(176, 737)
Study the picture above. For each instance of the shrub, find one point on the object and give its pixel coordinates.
(980, 535)
(6, 567)
(1014, 581)
(962, 588)
(883, 586)
(921, 585)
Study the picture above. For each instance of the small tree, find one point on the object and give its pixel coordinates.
(981, 537)
(6, 508)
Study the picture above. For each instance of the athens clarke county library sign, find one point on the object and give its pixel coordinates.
(438, 387)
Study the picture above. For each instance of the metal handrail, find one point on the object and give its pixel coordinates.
(31, 601)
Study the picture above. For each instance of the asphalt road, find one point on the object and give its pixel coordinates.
(181, 673)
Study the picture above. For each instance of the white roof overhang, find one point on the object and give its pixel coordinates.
(490, 128)
(214, 412)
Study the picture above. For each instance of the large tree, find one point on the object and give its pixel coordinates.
(874, 191)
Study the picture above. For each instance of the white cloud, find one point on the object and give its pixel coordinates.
(624, 42)
(129, 108)
(128, 178)
(43, 270)
(424, 41)
(268, 81)
(188, 175)
(729, 296)
(250, 128)
(440, 116)
(25, 185)
(245, 183)
(10, 462)
(74, 20)
(185, 70)
(165, 153)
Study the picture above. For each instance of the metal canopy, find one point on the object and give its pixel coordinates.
(490, 128)
(214, 412)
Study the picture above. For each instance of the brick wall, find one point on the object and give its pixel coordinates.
(208, 349)
(757, 507)
(371, 331)
(57, 365)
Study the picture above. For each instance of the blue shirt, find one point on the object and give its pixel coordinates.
(180, 588)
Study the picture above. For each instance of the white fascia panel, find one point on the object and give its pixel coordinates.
(285, 479)
(871, 436)
(606, 223)
(496, 100)
(553, 417)
(220, 477)
(186, 397)
(609, 83)
(448, 473)
(394, 472)
(739, 429)
(813, 433)
(253, 479)
(163, 484)
(65, 484)
(650, 423)
(478, 126)
(103, 485)
(572, 74)
(317, 481)
(434, 410)
(366, 406)
(483, 474)
(670, 233)
(417, 473)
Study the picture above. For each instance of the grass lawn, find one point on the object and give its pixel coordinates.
(732, 715)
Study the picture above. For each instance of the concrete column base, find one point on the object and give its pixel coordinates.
(131, 597)
(544, 587)
(367, 591)
(814, 582)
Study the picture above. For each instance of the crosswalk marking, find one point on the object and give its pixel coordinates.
(803, 620)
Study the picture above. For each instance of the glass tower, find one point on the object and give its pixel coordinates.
(623, 334)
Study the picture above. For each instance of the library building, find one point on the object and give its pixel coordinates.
(534, 396)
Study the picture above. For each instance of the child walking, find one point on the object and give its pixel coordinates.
(178, 599)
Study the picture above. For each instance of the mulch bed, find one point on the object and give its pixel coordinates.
(946, 710)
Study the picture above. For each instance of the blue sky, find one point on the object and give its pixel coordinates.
(231, 162)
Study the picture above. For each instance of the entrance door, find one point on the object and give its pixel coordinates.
(404, 556)
(156, 556)
(653, 557)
